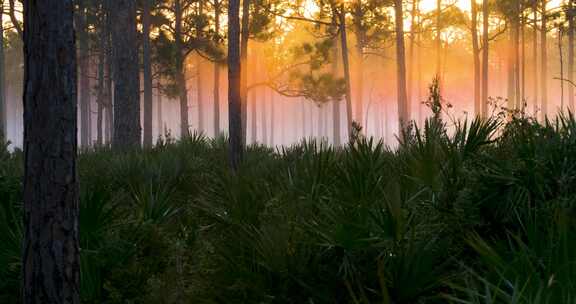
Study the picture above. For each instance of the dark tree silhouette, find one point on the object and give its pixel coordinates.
(51, 267)
(234, 93)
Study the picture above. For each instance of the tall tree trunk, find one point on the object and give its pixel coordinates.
(51, 255)
(571, 55)
(234, 83)
(439, 40)
(336, 103)
(523, 60)
(516, 50)
(3, 105)
(476, 57)
(147, 73)
(181, 70)
(127, 130)
(109, 109)
(84, 62)
(511, 66)
(245, 36)
(544, 62)
(216, 90)
(403, 115)
(200, 76)
(561, 58)
(535, 56)
(411, 60)
(264, 116)
(346, 66)
(485, 56)
(360, 42)
(101, 92)
(159, 118)
(272, 117)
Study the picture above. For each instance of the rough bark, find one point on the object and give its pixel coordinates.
(403, 115)
(485, 56)
(216, 90)
(147, 73)
(234, 94)
(127, 130)
(51, 257)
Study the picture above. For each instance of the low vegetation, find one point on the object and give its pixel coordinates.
(483, 213)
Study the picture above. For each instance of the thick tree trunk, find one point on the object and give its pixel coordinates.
(181, 70)
(127, 130)
(234, 92)
(403, 115)
(147, 73)
(476, 57)
(346, 66)
(570, 75)
(544, 62)
(51, 256)
(485, 54)
(216, 91)
(84, 63)
(3, 107)
(244, 59)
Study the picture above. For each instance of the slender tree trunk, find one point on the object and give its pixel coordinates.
(84, 63)
(244, 59)
(272, 117)
(535, 57)
(109, 109)
(476, 57)
(403, 115)
(127, 130)
(411, 62)
(516, 49)
(51, 255)
(336, 103)
(523, 61)
(181, 70)
(101, 92)
(216, 91)
(438, 39)
(561, 58)
(147, 65)
(3, 105)
(485, 56)
(544, 62)
(571, 55)
(234, 85)
(200, 77)
(346, 66)
(160, 119)
(264, 116)
(511, 66)
(360, 42)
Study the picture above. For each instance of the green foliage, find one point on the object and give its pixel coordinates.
(479, 212)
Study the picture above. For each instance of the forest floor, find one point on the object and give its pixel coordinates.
(482, 214)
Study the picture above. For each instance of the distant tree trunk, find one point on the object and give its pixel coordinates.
(51, 255)
(84, 64)
(403, 115)
(147, 73)
(336, 103)
(272, 117)
(181, 70)
(216, 91)
(234, 84)
(523, 61)
(360, 42)
(438, 40)
(485, 50)
(570, 55)
(346, 66)
(476, 57)
(200, 77)
(127, 130)
(101, 92)
(264, 116)
(511, 67)
(535, 56)
(561, 58)
(109, 109)
(411, 61)
(245, 36)
(159, 118)
(3, 107)
(544, 62)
